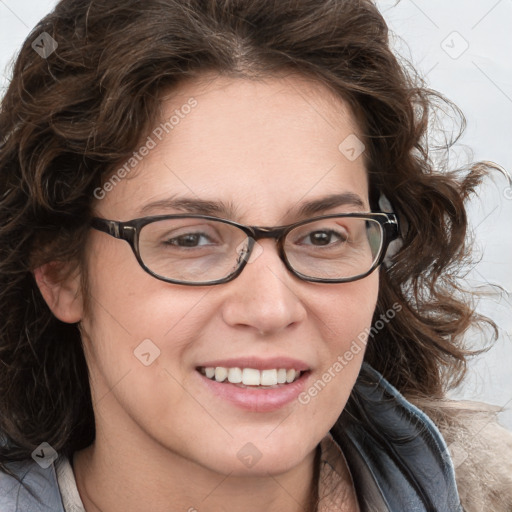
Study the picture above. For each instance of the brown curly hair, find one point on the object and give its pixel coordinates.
(67, 120)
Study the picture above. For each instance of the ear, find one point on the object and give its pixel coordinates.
(61, 291)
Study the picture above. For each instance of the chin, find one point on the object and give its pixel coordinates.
(260, 456)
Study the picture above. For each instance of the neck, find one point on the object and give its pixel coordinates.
(115, 482)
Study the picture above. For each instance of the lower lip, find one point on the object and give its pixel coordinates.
(258, 399)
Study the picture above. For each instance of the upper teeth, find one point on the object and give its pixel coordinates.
(251, 376)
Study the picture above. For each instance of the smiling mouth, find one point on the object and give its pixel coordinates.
(251, 377)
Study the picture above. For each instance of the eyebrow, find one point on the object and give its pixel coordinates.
(329, 202)
(191, 205)
(228, 210)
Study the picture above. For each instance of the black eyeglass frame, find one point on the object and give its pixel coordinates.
(130, 232)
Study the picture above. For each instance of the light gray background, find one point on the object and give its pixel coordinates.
(463, 49)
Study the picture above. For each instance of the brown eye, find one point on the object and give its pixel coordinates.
(320, 238)
(188, 240)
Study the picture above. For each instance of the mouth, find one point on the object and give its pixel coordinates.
(270, 387)
(251, 377)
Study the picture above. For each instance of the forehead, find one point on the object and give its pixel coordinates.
(262, 146)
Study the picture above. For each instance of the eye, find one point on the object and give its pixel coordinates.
(189, 240)
(324, 237)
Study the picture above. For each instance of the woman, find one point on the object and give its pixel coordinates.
(196, 205)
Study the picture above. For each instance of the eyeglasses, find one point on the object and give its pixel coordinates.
(200, 250)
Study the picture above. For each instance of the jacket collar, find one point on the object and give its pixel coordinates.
(396, 455)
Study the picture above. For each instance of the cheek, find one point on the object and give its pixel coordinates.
(137, 338)
(346, 311)
(345, 314)
(134, 319)
(128, 300)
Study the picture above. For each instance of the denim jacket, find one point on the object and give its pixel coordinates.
(397, 457)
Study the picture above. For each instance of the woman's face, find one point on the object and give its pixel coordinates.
(262, 149)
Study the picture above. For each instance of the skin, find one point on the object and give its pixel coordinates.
(163, 440)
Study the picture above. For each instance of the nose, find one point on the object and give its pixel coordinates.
(265, 296)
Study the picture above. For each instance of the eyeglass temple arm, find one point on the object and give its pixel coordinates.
(392, 227)
(111, 227)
